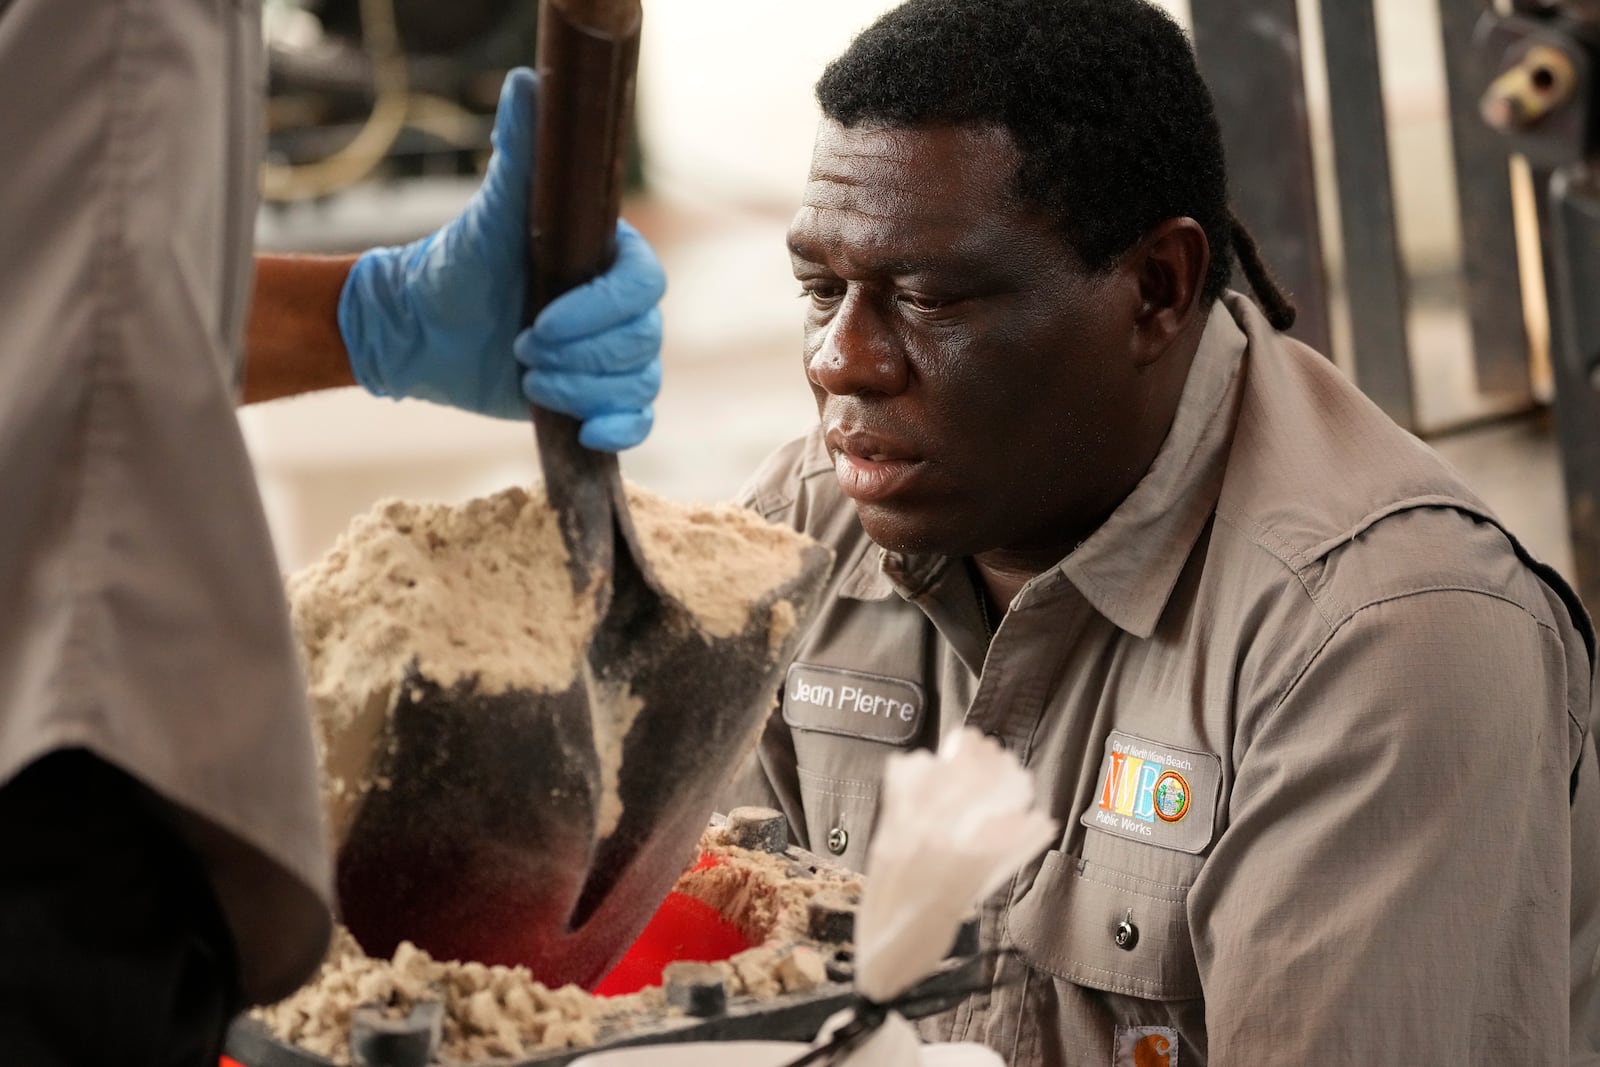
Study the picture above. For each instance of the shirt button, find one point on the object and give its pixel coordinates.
(1126, 935)
(838, 840)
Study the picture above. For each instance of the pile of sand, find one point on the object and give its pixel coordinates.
(482, 592)
(767, 897)
(489, 1012)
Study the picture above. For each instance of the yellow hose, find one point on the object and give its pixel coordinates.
(358, 159)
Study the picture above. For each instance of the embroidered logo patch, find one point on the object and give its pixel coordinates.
(1156, 793)
(1172, 796)
(1145, 1046)
(832, 700)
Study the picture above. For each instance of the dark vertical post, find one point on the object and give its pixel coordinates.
(1375, 279)
(1488, 231)
(1249, 52)
(1570, 229)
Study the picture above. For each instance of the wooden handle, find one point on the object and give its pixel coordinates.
(588, 58)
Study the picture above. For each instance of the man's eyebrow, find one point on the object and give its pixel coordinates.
(901, 265)
(916, 265)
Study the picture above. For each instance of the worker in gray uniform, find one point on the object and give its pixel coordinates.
(164, 860)
(1315, 726)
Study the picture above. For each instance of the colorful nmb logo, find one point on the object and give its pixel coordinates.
(1144, 789)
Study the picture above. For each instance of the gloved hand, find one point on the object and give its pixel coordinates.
(439, 319)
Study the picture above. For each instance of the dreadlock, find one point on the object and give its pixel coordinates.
(1104, 101)
(1280, 310)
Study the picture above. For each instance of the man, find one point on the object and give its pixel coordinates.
(1314, 724)
(164, 861)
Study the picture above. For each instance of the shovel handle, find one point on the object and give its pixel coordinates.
(588, 55)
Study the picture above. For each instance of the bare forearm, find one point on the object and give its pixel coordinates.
(292, 342)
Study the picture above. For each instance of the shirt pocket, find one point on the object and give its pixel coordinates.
(1098, 927)
(844, 724)
(839, 814)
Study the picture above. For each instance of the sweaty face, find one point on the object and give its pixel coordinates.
(972, 378)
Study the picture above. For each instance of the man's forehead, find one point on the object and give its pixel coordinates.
(906, 183)
(835, 142)
(974, 157)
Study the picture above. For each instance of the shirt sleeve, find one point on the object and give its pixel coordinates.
(1393, 884)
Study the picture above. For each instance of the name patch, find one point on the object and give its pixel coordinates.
(832, 700)
(1156, 793)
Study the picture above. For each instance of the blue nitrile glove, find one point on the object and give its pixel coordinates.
(595, 352)
(439, 318)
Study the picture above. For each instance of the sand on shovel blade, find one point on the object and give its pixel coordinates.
(470, 609)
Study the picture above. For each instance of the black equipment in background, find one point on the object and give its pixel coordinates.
(384, 88)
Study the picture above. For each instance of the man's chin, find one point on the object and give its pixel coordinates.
(904, 533)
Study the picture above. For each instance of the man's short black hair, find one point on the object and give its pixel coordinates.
(1103, 98)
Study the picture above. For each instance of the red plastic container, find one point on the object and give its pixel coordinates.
(683, 929)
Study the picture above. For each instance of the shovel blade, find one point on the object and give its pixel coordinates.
(479, 843)
(705, 702)
(488, 844)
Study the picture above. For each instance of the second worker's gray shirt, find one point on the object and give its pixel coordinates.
(141, 612)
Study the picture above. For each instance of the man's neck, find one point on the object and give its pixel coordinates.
(1001, 575)
(1004, 571)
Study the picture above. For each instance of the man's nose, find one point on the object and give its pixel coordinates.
(857, 352)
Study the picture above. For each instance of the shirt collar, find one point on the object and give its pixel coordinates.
(1127, 568)
(876, 573)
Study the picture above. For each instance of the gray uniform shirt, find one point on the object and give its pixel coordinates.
(143, 617)
(1314, 725)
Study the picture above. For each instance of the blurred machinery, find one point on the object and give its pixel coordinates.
(383, 88)
(1541, 93)
(1540, 62)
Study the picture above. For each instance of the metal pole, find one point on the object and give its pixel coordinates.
(1375, 278)
(1488, 231)
(1249, 52)
(1572, 273)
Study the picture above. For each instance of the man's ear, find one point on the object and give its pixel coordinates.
(1170, 264)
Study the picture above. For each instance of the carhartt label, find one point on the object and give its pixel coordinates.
(1145, 1046)
(1156, 793)
(852, 703)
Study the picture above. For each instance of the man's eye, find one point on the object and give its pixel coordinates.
(822, 295)
(922, 303)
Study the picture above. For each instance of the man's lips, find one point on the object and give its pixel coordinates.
(871, 468)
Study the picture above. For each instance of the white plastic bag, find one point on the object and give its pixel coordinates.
(951, 829)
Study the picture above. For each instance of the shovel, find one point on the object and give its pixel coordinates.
(490, 843)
